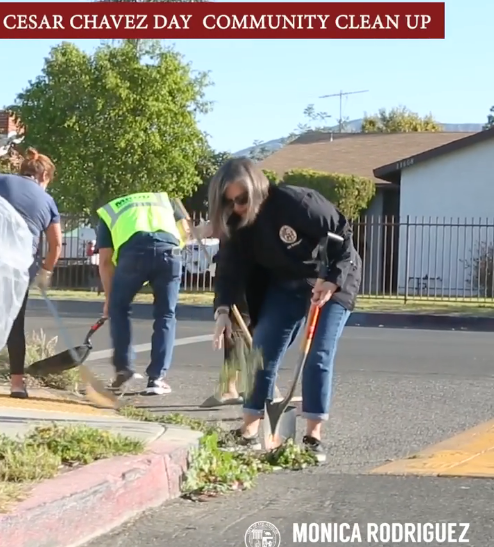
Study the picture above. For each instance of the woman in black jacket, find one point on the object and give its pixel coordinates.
(272, 236)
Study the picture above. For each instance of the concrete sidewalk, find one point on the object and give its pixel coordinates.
(83, 503)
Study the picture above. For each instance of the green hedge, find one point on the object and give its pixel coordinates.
(272, 176)
(351, 194)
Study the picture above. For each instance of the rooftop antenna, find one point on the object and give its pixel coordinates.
(342, 94)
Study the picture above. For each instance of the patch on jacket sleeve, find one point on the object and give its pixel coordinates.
(288, 234)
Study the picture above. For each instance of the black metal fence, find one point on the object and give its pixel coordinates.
(413, 257)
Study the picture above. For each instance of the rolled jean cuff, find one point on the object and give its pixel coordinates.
(253, 411)
(313, 416)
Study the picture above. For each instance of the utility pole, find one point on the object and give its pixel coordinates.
(342, 94)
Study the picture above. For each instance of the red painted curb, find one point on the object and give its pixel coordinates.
(80, 505)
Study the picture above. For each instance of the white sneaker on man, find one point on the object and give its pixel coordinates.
(157, 386)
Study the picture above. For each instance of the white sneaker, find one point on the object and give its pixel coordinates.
(158, 387)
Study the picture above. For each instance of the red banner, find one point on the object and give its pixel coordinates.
(229, 20)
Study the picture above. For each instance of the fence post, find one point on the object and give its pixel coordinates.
(407, 257)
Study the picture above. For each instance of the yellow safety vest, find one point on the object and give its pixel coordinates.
(145, 212)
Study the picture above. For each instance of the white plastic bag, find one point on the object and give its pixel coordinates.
(16, 256)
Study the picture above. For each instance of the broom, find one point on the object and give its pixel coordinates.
(243, 362)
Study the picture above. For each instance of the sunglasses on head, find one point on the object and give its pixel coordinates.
(241, 199)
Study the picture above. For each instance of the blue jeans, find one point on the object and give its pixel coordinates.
(282, 317)
(144, 259)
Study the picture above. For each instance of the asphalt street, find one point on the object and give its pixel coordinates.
(396, 392)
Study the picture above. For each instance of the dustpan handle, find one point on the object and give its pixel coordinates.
(93, 329)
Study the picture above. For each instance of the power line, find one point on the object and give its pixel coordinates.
(342, 94)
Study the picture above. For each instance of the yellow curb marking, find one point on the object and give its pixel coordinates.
(52, 405)
(469, 454)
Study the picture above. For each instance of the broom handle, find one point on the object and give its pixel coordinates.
(241, 323)
(236, 313)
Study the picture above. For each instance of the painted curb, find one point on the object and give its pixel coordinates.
(81, 505)
(467, 454)
(185, 312)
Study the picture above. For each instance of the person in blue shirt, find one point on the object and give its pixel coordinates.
(26, 193)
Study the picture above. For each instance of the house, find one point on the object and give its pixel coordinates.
(7, 123)
(359, 154)
(446, 234)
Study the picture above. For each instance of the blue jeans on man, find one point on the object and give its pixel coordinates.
(145, 259)
(282, 317)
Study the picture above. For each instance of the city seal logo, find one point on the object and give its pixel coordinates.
(262, 534)
(288, 234)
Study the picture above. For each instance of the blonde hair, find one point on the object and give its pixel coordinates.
(36, 165)
(245, 172)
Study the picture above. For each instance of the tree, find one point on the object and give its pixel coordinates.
(398, 120)
(259, 151)
(114, 124)
(315, 121)
(206, 168)
(490, 119)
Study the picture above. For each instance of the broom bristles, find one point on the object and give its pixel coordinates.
(242, 361)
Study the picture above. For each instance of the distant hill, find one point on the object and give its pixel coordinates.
(355, 125)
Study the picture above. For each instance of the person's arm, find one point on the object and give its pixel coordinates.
(181, 222)
(232, 264)
(104, 244)
(316, 217)
(53, 235)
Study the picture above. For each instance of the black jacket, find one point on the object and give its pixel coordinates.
(282, 245)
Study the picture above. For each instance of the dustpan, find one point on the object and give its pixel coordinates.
(96, 391)
(55, 364)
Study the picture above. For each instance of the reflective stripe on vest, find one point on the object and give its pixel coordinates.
(123, 223)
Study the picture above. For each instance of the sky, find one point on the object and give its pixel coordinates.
(261, 87)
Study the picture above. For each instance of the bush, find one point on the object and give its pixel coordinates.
(38, 347)
(481, 270)
(351, 194)
(272, 176)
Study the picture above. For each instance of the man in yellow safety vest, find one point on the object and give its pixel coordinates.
(140, 238)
